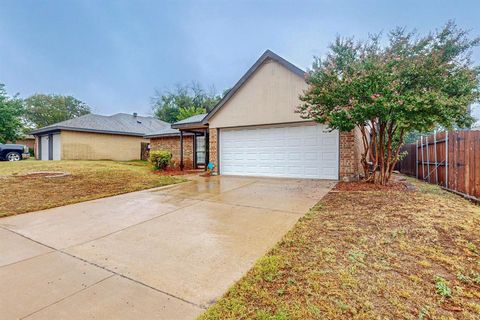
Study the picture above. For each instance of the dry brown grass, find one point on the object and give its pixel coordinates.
(87, 180)
(387, 254)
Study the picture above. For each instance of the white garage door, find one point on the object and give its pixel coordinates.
(44, 147)
(53, 142)
(296, 151)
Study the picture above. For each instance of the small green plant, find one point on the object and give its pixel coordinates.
(442, 287)
(475, 277)
(423, 314)
(356, 257)
(160, 159)
(268, 267)
(472, 247)
(462, 278)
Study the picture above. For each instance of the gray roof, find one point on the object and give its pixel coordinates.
(172, 131)
(120, 123)
(267, 55)
(164, 132)
(192, 119)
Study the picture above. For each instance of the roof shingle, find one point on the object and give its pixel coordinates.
(120, 123)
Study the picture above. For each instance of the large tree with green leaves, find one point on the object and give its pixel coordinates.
(183, 102)
(412, 83)
(11, 113)
(45, 109)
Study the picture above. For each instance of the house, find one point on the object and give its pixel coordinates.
(96, 137)
(27, 140)
(255, 131)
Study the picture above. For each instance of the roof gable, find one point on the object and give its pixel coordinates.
(267, 55)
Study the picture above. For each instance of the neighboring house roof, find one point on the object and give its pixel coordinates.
(268, 55)
(120, 123)
(27, 137)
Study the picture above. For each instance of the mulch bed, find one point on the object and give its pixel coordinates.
(365, 186)
(178, 172)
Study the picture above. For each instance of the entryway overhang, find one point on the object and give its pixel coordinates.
(193, 125)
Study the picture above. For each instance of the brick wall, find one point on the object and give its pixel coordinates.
(172, 144)
(349, 155)
(213, 152)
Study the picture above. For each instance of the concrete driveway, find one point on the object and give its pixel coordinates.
(163, 253)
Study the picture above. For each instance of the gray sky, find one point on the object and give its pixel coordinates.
(114, 54)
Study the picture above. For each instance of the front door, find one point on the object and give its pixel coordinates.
(200, 150)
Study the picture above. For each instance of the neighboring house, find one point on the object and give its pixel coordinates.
(96, 137)
(255, 131)
(28, 140)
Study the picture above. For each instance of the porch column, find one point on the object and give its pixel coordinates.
(181, 150)
(195, 166)
(207, 149)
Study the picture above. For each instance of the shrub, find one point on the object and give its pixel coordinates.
(160, 159)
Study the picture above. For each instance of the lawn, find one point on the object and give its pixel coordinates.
(376, 254)
(87, 180)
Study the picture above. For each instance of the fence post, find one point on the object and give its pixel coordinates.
(423, 165)
(428, 159)
(435, 157)
(446, 159)
(416, 159)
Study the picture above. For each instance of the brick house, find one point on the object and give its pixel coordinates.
(255, 131)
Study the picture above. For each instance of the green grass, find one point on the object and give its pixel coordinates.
(87, 180)
(381, 254)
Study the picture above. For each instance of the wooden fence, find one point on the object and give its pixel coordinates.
(449, 159)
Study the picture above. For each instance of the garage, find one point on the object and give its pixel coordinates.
(292, 151)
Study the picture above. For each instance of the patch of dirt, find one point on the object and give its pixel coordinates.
(42, 174)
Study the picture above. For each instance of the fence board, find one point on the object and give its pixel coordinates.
(456, 166)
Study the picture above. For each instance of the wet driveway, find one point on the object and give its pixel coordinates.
(164, 253)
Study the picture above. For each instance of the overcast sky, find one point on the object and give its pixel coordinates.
(114, 54)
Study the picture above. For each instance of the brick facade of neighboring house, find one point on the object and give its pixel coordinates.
(172, 144)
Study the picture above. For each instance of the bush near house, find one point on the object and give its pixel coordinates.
(160, 159)
(413, 83)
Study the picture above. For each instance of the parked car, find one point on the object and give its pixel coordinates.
(13, 152)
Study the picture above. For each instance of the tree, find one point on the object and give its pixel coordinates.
(183, 102)
(413, 83)
(11, 112)
(42, 110)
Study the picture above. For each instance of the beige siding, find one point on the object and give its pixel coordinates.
(99, 146)
(269, 96)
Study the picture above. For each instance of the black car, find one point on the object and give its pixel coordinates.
(13, 152)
